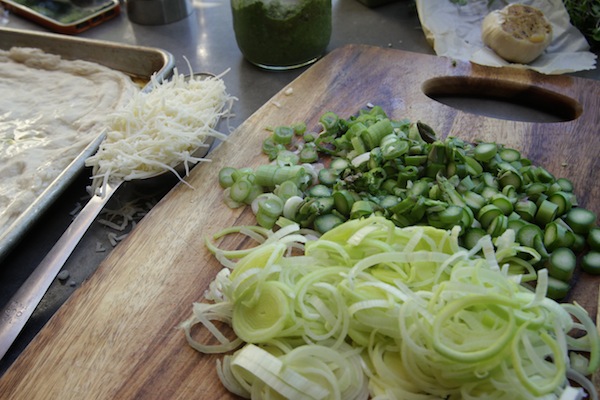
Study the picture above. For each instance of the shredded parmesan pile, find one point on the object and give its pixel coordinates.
(160, 129)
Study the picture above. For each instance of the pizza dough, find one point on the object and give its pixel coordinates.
(50, 110)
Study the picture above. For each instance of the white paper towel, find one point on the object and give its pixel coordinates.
(454, 31)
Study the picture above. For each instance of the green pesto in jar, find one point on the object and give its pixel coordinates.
(281, 34)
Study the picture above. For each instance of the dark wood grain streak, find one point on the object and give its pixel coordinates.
(117, 336)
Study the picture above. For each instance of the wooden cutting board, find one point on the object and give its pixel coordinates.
(117, 336)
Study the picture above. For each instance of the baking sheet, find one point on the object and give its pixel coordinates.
(138, 62)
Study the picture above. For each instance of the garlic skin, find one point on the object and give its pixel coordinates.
(517, 33)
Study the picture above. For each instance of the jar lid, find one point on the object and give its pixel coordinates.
(158, 12)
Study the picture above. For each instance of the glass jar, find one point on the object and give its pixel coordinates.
(282, 34)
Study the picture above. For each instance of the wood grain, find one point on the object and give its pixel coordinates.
(117, 336)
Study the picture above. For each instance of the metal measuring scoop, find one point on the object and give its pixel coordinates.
(24, 302)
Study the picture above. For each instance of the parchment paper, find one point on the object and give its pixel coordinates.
(455, 31)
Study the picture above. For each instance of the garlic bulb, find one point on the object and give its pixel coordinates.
(517, 33)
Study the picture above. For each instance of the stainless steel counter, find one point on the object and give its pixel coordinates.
(206, 40)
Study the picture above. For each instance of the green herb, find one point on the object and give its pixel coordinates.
(585, 16)
(371, 164)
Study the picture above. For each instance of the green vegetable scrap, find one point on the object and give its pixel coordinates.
(371, 164)
(371, 310)
(585, 16)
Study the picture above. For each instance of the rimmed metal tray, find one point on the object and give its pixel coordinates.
(138, 62)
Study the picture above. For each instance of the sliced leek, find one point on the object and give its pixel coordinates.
(371, 310)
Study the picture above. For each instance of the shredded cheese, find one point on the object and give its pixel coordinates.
(100, 247)
(160, 129)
